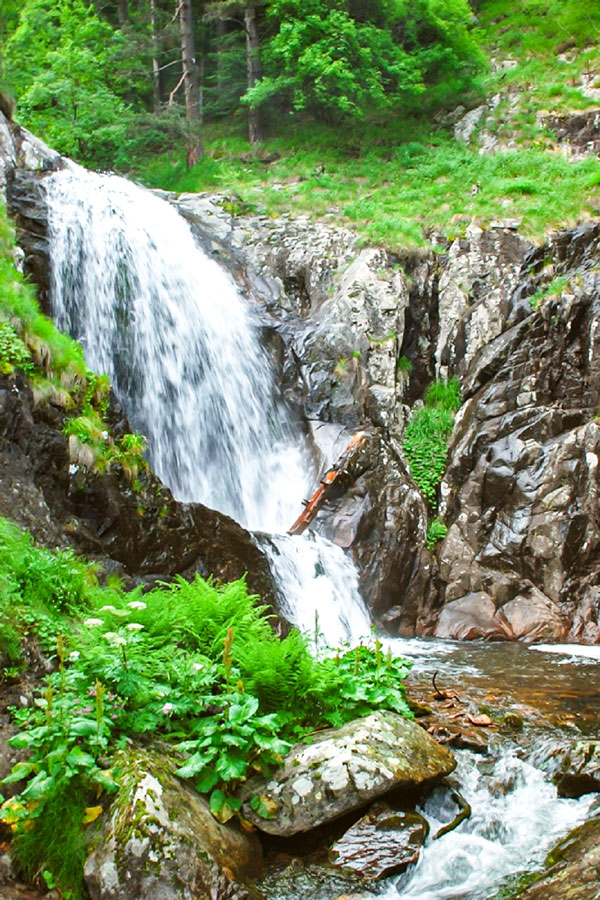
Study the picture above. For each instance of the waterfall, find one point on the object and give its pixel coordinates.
(184, 352)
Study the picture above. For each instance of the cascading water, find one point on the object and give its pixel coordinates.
(184, 353)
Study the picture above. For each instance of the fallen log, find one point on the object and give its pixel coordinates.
(325, 489)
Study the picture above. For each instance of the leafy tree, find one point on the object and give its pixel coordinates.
(345, 59)
(61, 60)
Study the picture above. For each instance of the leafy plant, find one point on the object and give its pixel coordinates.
(359, 681)
(228, 745)
(13, 352)
(426, 436)
(436, 531)
(64, 739)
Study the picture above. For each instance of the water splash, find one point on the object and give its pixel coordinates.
(516, 818)
(320, 588)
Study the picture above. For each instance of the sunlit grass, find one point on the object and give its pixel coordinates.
(398, 181)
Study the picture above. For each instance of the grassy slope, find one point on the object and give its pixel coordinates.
(396, 183)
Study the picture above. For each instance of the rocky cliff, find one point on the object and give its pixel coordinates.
(358, 334)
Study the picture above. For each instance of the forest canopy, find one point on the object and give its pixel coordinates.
(107, 82)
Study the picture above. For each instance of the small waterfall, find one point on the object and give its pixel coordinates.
(333, 606)
(184, 352)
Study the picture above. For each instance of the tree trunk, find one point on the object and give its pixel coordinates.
(156, 86)
(190, 82)
(122, 13)
(255, 123)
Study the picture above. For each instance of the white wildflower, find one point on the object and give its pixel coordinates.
(167, 709)
(134, 626)
(93, 623)
(115, 639)
(73, 469)
(105, 435)
(108, 608)
(137, 604)
(74, 655)
(196, 667)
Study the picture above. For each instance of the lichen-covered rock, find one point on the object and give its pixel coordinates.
(382, 843)
(159, 841)
(345, 768)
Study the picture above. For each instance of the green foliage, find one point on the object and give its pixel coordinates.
(30, 335)
(13, 352)
(230, 745)
(426, 436)
(196, 663)
(90, 429)
(57, 852)
(279, 673)
(366, 679)
(39, 577)
(554, 289)
(333, 59)
(64, 735)
(61, 60)
(444, 395)
(436, 531)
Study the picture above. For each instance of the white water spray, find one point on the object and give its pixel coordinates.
(516, 818)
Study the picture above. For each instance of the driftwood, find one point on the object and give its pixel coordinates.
(463, 813)
(325, 489)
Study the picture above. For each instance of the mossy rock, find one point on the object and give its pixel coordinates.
(159, 840)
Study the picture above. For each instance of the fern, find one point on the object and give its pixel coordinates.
(279, 673)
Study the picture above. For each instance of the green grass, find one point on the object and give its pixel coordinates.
(396, 182)
(58, 358)
(426, 443)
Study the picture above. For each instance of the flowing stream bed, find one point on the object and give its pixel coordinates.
(184, 351)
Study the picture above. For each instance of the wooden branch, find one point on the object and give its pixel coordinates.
(463, 813)
(175, 89)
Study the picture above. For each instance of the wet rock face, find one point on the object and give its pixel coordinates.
(381, 844)
(574, 768)
(159, 839)
(382, 522)
(521, 490)
(343, 769)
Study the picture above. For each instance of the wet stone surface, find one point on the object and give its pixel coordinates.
(382, 843)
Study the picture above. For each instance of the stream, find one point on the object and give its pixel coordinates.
(185, 353)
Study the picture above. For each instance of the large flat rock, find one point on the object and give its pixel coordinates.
(345, 768)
